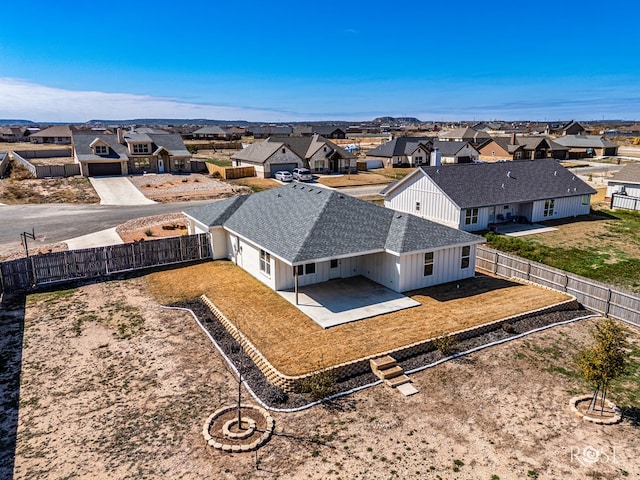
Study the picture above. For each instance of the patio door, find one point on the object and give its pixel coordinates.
(334, 269)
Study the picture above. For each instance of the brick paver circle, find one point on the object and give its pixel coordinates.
(221, 432)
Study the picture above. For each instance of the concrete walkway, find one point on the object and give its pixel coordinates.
(97, 239)
(346, 300)
(118, 191)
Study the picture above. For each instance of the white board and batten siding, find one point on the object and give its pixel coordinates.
(446, 268)
(563, 207)
(632, 190)
(433, 204)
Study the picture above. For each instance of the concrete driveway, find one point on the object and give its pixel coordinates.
(118, 191)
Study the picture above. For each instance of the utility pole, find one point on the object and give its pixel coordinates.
(24, 236)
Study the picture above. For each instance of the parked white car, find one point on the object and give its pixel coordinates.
(302, 174)
(283, 176)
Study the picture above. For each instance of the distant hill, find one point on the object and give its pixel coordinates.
(395, 120)
(167, 121)
(16, 122)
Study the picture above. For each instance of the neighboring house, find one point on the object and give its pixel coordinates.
(572, 128)
(59, 134)
(473, 196)
(403, 151)
(465, 134)
(319, 154)
(455, 152)
(267, 158)
(626, 181)
(516, 147)
(298, 235)
(130, 152)
(14, 134)
(212, 132)
(327, 131)
(271, 131)
(587, 146)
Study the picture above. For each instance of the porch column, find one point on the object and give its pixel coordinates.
(295, 282)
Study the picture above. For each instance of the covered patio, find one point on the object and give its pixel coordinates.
(346, 300)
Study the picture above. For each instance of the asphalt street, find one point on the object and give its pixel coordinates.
(55, 223)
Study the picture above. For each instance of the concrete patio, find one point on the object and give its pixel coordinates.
(346, 300)
(522, 229)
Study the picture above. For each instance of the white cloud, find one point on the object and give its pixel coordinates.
(32, 101)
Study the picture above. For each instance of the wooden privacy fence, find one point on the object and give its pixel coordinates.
(624, 201)
(4, 163)
(229, 173)
(599, 297)
(43, 171)
(40, 270)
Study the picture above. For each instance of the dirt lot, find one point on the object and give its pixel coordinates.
(362, 178)
(112, 386)
(150, 228)
(8, 146)
(182, 188)
(268, 319)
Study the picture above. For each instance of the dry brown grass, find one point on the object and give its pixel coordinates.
(9, 146)
(295, 344)
(255, 183)
(395, 173)
(363, 178)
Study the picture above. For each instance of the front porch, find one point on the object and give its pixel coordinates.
(346, 300)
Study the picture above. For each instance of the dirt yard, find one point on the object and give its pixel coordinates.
(150, 228)
(166, 187)
(268, 319)
(113, 386)
(362, 178)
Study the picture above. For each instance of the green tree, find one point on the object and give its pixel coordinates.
(605, 361)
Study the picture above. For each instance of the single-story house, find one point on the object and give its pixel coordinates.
(211, 132)
(298, 235)
(515, 147)
(455, 152)
(465, 134)
(130, 152)
(271, 131)
(319, 154)
(59, 134)
(626, 181)
(14, 134)
(586, 146)
(267, 158)
(473, 196)
(411, 151)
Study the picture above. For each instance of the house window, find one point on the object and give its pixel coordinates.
(101, 150)
(585, 200)
(318, 166)
(265, 262)
(179, 163)
(334, 263)
(298, 269)
(518, 156)
(417, 206)
(466, 254)
(141, 163)
(548, 207)
(140, 148)
(471, 216)
(428, 264)
(310, 268)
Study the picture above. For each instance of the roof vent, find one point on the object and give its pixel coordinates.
(503, 185)
(555, 173)
(568, 190)
(319, 191)
(340, 196)
(437, 170)
(575, 189)
(509, 174)
(573, 178)
(279, 195)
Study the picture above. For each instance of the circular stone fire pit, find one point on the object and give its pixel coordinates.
(612, 414)
(222, 431)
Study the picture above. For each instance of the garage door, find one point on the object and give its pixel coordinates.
(464, 159)
(100, 169)
(287, 167)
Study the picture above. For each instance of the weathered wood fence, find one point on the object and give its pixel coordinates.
(43, 171)
(229, 173)
(624, 201)
(4, 163)
(41, 270)
(597, 296)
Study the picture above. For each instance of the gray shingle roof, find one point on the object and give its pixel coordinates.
(302, 223)
(400, 146)
(629, 173)
(257, 152)
(485, 184)
(585, 141)
(84, 152)
(215, 214)
(55, 131)
(305, 147)
(449, 148)
(210, 130)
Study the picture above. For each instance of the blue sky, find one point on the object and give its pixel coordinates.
(295, 61)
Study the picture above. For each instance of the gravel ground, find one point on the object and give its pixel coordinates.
(195, 186)
(267, 392)
(146, 222)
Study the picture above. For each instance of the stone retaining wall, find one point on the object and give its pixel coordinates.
(356, 367)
